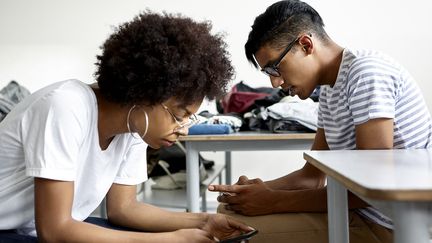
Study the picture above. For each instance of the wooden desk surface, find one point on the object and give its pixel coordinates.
(244, 136)
(401, 175)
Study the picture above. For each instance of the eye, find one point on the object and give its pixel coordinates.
(178, 118)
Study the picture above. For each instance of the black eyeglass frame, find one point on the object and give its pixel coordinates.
(273, 69)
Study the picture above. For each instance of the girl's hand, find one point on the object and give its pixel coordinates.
(191, 235)
(222, 226)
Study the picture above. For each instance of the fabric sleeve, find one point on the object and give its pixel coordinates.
(371, 90)
(53, 130)
(133, 169)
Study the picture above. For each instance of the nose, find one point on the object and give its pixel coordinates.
(181, 131)
(276, 81)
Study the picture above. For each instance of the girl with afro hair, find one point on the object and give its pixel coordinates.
(70, 145)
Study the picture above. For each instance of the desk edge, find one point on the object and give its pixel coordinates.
(375, 194)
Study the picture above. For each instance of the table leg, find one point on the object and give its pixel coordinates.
(337, 207)
(204, 202)
(411, 222)
(193, 180)
(228, 167)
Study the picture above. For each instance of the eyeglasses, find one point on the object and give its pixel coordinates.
(273, 69)
(192, 120)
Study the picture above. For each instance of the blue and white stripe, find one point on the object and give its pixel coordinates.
(370, 85)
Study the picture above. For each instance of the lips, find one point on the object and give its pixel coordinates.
(290, 90)
(167, 143)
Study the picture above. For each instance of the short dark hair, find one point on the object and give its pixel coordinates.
(281, 23)
(158, 56)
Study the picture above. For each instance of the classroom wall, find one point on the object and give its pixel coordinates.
(45, 41)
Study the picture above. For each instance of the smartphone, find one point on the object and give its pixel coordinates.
(239, 238)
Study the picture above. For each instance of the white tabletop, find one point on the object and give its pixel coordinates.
(245, 136)
(404, 175)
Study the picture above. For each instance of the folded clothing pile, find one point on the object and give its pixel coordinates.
(216, 124)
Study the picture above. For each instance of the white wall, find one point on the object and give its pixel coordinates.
(50, 40)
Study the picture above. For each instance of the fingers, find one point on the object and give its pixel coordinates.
(226, 198)
(239, 225)
(195, 235)
(237, 208)
(233, 207)
(243, 180)
(225, 188)
(207, 235)
(202, 233)
(255, 181)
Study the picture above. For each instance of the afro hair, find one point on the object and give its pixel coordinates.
(158, 56)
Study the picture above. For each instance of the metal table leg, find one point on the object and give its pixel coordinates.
(337, 207)
(193, 180)
(411, 222)
(228, 177)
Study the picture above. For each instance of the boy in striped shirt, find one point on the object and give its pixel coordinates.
(367, 101)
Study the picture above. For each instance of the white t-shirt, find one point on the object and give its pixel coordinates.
(53, 134)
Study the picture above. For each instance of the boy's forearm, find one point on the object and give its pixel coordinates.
(312, 200)
(292, 181)
(307, 177)
(298, 201)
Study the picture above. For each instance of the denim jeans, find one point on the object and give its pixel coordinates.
(10, 236)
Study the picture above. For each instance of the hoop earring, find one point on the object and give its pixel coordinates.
(128, 126)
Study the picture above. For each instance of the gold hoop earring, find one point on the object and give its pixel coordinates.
(128, 126)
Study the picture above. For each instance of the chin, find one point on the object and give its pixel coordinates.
(154, 146)
(301, 96)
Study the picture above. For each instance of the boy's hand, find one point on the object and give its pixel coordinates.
(248, 197)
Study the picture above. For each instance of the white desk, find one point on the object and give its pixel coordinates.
(399, 180)
(242, 141)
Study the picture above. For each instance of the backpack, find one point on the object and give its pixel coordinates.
(10, 96)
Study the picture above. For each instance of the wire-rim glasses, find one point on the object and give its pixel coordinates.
(192, 120)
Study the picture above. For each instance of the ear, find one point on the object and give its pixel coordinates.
(306, 43)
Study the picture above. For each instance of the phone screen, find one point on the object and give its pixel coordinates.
(239, 238)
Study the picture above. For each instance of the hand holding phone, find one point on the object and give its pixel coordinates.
(239, 238)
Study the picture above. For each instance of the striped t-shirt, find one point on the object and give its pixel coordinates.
(370, 85)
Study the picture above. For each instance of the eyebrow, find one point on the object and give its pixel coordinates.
(269, 63)
(188, 112)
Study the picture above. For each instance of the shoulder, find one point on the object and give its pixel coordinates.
(61, 97)
(67, 103)
(66, 96)
(370, 62)
(373, 70)
(71, 91)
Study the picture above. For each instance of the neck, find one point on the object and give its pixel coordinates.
(111, 118)
(331, 59)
